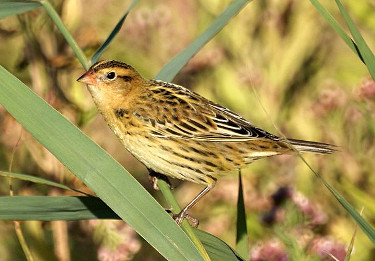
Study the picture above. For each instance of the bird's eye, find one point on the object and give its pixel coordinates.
(111, 75)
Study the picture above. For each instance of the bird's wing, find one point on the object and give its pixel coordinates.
(178, 112)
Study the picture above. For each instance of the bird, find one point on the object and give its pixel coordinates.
(177, 132)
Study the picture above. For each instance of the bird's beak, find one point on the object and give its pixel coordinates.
(88, 78)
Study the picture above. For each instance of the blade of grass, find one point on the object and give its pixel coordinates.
(22, 241)
(64, 31)
(363, 224)
(37, 180)
(185, 226)
(217, 249)
(242, 241)
(336, 27)
(8, 8)
(47, 208)
(96, 56)
(165, 190)
(112, 35)
(363, 48)
(170, 70)
(351, 244)
(109, 180)
(17, 224)
(358, 195)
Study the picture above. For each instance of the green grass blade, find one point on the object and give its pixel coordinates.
(8, 7)
(35, 180)
(109, 180)
(217, 249)
(112, 35)
(337, 27)
(64, 31)
(363, 48)
(167, 193)
(242, 239)
(81, 208)
(351, 244)
(363, 224)
(171, 69)
(47, 208)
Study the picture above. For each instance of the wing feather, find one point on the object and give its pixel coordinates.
(188, 115)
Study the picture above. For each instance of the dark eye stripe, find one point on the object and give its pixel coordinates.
(125, 78)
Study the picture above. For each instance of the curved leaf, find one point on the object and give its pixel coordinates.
(216, 248)
(337, 27)
(8, 7)
(112, 35)
(79, 208)
(109, 180)
(363, 48)
(47, 208)
(64, 31)
(171, 69)
(35, 180)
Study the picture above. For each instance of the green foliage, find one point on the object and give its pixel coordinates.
(46, 208)
(242, 238)
(171, 69)
(363, 48)
(34, 180)
(8, 8)
(113, 33)
(82, 208)
(98, 164)
(294, 69)
(96, 168)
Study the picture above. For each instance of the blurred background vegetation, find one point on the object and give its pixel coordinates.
(278, 54)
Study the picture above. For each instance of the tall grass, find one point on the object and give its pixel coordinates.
(126, 198)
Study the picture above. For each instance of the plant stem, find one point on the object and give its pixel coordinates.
(164, 188)
(64, 31)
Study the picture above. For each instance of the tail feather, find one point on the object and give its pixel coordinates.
(312, 146)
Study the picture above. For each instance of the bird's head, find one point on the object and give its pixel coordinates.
(108, 79)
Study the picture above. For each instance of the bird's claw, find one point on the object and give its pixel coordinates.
(183, 214)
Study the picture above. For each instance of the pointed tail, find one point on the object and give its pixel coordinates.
(312, 146)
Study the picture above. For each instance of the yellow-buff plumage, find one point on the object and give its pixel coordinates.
(177, 132)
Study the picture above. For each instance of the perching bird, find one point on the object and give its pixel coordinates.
(177, 132)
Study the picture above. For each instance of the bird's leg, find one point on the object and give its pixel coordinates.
(188, 217)
(184, 212)
(154, 176)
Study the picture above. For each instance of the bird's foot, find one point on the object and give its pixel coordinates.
(183, 214)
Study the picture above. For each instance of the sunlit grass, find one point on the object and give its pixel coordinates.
(308, 80)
